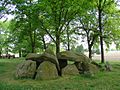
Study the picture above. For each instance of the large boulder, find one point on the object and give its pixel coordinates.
(86, 68)
(72, 56)
(46, 70)
(92, 70)
(70, 69)
(33, 56)
(82, 66)
(26, 69)
(49, 55)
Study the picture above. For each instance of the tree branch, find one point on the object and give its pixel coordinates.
(44, 28)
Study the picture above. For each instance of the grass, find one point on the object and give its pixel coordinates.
(101, 81)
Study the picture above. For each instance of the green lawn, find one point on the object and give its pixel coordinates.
(101, 81)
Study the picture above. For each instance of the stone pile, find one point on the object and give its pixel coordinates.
(50, 66)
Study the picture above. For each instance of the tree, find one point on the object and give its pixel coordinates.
(88, 28)
(36, 19)
(68, 38)
(4, 34)
(102, 6)
(58, 13)
(27, 20)
(112, 30)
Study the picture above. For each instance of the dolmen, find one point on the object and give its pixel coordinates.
(48, 65)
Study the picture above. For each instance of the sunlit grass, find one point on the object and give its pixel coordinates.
(101, 80)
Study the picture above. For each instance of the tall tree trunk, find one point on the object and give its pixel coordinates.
(20, 53)
(32, 44)
(34, 41)
(101, 32)
(7, 50)
(0, 52)
(68, 40)
(89, 45)
(89, 48)
(33, 48)
(44, 44)
(90, 52)
(57, 43)
(102, 49)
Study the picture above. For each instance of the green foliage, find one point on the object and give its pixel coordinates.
(112, 30)
(4, 37)
(61, 20)
(97, 51)
(79, 49)
(26, 23)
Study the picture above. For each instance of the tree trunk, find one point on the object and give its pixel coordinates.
(33, 41)
(57, 43)
(68, 40)
(89, 46)
(20, 53)
(102, 49)
(33, 47)
(7, 50)
(90, 52)
(101, 32)
(0, 52)
(44, 44)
